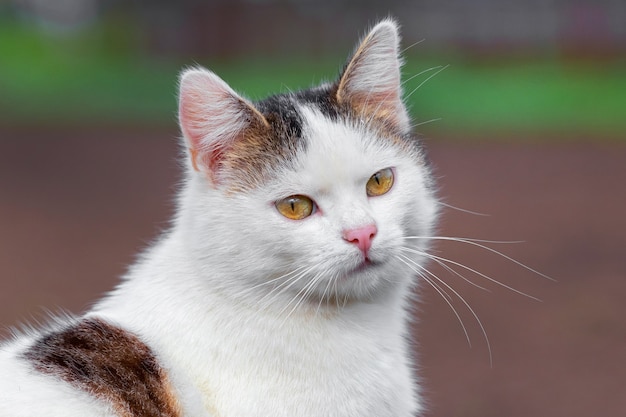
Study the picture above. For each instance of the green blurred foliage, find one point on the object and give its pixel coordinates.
(102, 77)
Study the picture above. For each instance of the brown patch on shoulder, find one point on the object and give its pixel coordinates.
(111, 364)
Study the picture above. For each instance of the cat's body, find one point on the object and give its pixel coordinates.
(282, 287)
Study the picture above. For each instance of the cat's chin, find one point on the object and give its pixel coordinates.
(365, 279)
(366, 266)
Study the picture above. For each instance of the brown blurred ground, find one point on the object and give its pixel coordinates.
(76, 207)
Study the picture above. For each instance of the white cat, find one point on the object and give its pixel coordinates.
(281, 288)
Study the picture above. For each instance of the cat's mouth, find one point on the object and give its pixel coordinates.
(366, 265)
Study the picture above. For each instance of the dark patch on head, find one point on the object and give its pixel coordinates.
(109, 363)
(280, 112)
(322, 98)
(254, 157)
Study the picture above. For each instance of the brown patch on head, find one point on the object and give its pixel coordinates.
(365, 113)
(109, 363)
(275, 133)
(253, 157)
(375, 108)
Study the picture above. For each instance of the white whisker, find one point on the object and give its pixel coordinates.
(445, 266)
(411, 46)
(461, 209)
(306, 291)
(438, 67)
(284, 286)
(413, 126)
(480, 324)
(277, 278)
(487, 277)
(319, 305)
(436, 287)
(478, 243)
(383, 100)
(336, 290)
(345, 300)
(425, 81)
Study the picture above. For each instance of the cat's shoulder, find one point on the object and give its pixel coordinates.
(83, 366)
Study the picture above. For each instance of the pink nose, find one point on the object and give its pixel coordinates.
(361, 236)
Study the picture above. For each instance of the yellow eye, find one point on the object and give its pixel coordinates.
(295, 207)
(380, 183)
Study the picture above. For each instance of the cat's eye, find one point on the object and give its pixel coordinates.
(380, 183)
(295, 207)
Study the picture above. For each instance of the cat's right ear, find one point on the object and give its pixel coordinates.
(371, 82)
(212, 118)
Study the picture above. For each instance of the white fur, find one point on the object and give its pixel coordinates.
(25, 393)
(213, 298)
(254, 356)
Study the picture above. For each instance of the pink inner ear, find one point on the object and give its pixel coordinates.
(210, 117)
(195, 116)
(207, 159)
(212, 159)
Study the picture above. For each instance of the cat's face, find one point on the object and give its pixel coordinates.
(309, 196)
(362, 197)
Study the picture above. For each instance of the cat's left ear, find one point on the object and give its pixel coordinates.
(371, 82)
(213, 118)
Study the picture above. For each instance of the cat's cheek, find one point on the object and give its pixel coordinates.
(294, 237)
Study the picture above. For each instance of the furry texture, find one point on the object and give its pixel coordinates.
(247, 312)
(108, 362)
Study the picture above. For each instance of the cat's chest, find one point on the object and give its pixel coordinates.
(305, 372)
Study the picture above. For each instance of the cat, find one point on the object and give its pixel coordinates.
(283, 285)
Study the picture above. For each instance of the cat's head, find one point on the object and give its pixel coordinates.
(308, 195)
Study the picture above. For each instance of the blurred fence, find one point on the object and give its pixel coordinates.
(230, 28)
(537, 66)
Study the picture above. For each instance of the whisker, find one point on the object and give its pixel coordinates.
(288, 282)
(382, 101)
(411, 46)
(284, 286)
(438, 67)
(319, 305)
(295, 297)
(469, 239)
(425, 81)
(495, 281)
(426, 122)
(309, 291)
(277, 278)
(433, 283)
(480, 324)
(443, 291)
(306, 291)
(345, 300)
(461, 209)
(478, 243)
(445, 296)
(445, 266)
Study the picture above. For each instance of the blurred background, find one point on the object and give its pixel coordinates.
(522, 105)
(516, 67)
